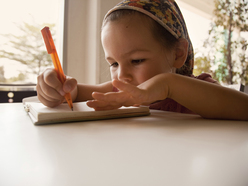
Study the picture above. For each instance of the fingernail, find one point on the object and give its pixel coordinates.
(67, 88)
(62, 93)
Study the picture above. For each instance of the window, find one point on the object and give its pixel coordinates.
(197, 21)
(22, 51)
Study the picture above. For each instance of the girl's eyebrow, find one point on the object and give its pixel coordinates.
(129, 53)
(136, 50)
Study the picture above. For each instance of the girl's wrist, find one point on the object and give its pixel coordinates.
(74, 93)
(160, 86)
(166, 83)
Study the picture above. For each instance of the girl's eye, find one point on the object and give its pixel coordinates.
(137, 61)
(115, 64)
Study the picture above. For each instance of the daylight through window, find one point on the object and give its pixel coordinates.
(22, 51)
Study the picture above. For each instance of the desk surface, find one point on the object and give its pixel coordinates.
(161, 149)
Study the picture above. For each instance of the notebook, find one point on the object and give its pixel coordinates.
(40, 114)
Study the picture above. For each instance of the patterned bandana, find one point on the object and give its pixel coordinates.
(167, 14)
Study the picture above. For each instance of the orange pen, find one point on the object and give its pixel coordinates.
(51, 49)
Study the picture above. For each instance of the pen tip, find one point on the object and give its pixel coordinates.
(72, 108)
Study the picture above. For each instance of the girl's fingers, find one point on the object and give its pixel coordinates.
(46, 91)
(47, 87)
(97, 103)
(114, 98)
(69, 84)
(50, 78)
(110, 97)
(99, 96)
(51, 91)
(49, 100)
(126, 87)
(53, 103)
(102, 105)
(129, 95)
(136, 94)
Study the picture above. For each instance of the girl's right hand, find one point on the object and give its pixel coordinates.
(51, 91)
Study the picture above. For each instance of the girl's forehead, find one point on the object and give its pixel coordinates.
(128, 37)
(134, 27)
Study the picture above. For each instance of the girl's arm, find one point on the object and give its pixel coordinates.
(51, 91)
(206, 99)
(84, 92)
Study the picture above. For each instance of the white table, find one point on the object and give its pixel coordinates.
(161, 149)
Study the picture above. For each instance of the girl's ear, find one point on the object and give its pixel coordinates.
(181, 53)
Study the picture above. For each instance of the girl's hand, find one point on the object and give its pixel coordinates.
(50, 90)
(129, 95)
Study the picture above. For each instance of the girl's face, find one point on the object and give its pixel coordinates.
(132, 52)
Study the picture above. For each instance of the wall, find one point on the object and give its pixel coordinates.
(201, 7)
(83, 54)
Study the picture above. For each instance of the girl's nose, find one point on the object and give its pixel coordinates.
(124, 74)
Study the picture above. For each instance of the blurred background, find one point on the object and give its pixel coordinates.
(218, 30)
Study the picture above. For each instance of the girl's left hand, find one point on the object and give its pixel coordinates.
(129, 95)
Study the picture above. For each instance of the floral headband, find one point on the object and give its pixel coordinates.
(167, 14)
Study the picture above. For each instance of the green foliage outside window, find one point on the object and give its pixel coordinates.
(226, 46)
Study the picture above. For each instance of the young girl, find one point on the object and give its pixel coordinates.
(147, 46)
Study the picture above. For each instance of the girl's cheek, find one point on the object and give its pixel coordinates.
(113, 74)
